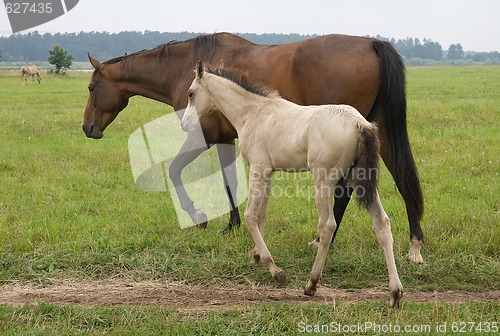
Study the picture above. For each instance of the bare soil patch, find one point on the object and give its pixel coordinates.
(204, 298)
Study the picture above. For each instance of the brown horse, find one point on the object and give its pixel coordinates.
(334, 69)
(30, 70)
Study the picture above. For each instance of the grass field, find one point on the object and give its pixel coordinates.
(69, 209)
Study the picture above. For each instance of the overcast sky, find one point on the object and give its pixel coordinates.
(473, 24)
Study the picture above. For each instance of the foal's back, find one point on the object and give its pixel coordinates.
(291, 137)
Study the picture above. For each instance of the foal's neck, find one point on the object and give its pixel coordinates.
(236, 103)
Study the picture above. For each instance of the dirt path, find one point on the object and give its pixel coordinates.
(200, 298)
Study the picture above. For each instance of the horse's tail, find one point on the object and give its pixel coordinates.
(391, 102)
(365, 170)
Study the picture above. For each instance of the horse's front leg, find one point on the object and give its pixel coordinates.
(323, 186)
(256, 214)
(381, 225)
(190, 150)
(227, 158)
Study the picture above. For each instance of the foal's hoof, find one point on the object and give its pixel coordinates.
(310, 289)
(280, 278)
(396, 296)
(199, 218)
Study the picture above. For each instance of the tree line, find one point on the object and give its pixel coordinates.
(34, 46)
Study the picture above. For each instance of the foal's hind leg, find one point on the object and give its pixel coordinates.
(381, 225)
(342, 196)
(255, 216)
(326, 226)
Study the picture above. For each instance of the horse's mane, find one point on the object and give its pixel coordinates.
(203, 46)
(239, 80)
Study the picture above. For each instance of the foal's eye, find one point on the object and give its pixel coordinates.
(190, 94)
(91, 88)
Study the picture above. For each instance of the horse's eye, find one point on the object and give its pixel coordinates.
(91, 88)
(190, 94)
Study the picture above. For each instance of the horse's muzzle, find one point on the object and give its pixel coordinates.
(92, 132)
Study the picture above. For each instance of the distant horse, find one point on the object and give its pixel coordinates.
(334, 69)
(331, 141)
(30, 70)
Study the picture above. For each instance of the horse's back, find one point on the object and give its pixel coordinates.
(336, 69)
(330, 69)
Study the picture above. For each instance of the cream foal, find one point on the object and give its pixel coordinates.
(274, 134)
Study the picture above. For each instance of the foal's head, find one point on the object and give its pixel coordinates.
(199, 100)
(107, 98)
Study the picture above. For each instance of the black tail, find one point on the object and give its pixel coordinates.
(391, 101)
(365, 172)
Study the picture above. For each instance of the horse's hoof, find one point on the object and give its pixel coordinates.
(200, 218)
(416, 258)
(315, 243)
(396, 296)
(230, 227)
(280, 278)
(414, 253)
(256, 259)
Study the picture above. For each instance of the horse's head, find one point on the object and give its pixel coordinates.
(107, 98)
(199, 101)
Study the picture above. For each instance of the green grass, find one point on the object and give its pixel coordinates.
(69, 208)
(265, 319)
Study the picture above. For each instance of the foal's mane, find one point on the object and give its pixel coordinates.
(203, 46)
(239, 80)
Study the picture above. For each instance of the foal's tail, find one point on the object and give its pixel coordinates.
(364, 174)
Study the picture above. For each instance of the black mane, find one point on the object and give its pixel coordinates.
(203, 47)
(239, 80)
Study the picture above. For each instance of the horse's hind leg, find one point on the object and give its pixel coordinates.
(416, 234)
(323, 186)
(255, 216)
(381, 225)
(227, 158)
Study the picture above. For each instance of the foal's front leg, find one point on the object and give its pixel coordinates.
(256, 214)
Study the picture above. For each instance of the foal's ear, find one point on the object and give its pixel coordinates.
(95, 63)
(200, 68)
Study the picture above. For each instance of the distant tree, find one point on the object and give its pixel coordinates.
(455, 52)
(60, 58)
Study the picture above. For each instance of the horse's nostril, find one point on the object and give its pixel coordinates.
(87, 129)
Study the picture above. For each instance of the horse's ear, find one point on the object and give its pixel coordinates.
(200, 68)
(95, 63)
